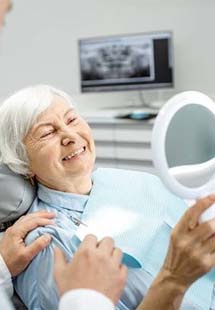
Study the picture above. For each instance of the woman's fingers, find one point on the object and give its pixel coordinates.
(208, 247)
(195, 211)
(191, 217)
(192, 245)
(203, 231)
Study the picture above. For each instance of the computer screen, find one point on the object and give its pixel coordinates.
(126, 62)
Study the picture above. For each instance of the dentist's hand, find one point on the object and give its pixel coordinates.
(95, 266)
(12, 246)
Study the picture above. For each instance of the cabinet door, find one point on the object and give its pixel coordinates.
(123, 144)
(101, 133)
(133, 133)
(105, 150)
(133, 151)
(104, 140)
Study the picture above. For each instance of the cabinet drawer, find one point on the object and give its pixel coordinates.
(103, 134)
(105, 163)
(133, 152)
(133, 135)
(105, 151)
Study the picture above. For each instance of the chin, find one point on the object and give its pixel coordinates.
(81, 169)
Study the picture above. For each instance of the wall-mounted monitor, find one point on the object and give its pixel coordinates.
(126, 62)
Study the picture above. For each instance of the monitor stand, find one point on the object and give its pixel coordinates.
(143, 106)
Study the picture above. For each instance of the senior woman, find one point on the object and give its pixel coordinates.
(43, 137)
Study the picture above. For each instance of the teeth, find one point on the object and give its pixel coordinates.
(74, 154)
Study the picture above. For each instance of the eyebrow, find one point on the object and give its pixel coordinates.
(41, 124)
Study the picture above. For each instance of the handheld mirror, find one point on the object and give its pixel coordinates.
(183, 146)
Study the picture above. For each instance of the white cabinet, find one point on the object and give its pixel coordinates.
(134, 133)
(133, 152)
(122, 143)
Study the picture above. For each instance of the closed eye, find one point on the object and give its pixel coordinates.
(71, 120)
(47, 134)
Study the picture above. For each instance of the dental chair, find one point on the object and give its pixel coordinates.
(16, 197)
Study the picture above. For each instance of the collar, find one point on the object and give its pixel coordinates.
(62, 200)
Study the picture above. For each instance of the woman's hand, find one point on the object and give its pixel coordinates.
(191, 251)
(191, 254)
(95, 266)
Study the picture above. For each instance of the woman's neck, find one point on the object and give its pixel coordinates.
(80, 186)
(77, 185)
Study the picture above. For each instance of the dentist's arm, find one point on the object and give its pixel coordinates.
(14, 255)
(191, 254)
(94, 279)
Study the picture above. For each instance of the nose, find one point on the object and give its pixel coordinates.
(67, 141)
(68, 137)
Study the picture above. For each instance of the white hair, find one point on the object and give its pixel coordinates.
(18, 114)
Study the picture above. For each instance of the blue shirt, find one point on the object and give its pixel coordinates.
(36, 285)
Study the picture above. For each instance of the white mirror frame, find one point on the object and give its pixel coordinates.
(159, 132)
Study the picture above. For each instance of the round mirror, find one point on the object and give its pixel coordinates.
(190, 145)
(183, 144)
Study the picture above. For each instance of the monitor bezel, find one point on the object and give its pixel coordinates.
(125, 88)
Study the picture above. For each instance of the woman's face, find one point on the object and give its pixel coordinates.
(5, 6)
(60, 146)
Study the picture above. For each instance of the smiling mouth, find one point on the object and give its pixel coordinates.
(75, 154)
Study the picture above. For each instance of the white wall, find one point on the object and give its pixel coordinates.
(39, 42)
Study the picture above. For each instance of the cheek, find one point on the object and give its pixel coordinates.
(93, 145)
(50, 153)
(49, 156)
(92, 150)
(45, 156)
(89, 136)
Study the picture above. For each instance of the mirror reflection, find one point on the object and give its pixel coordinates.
(190, 145)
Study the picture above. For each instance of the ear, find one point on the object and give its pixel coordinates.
(32, 180)
(31, 177)
(30, 174)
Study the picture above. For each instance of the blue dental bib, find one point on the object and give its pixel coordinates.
(138, 211)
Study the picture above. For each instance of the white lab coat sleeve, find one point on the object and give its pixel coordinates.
(83, 299)
(5, 278)
(5, 303)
